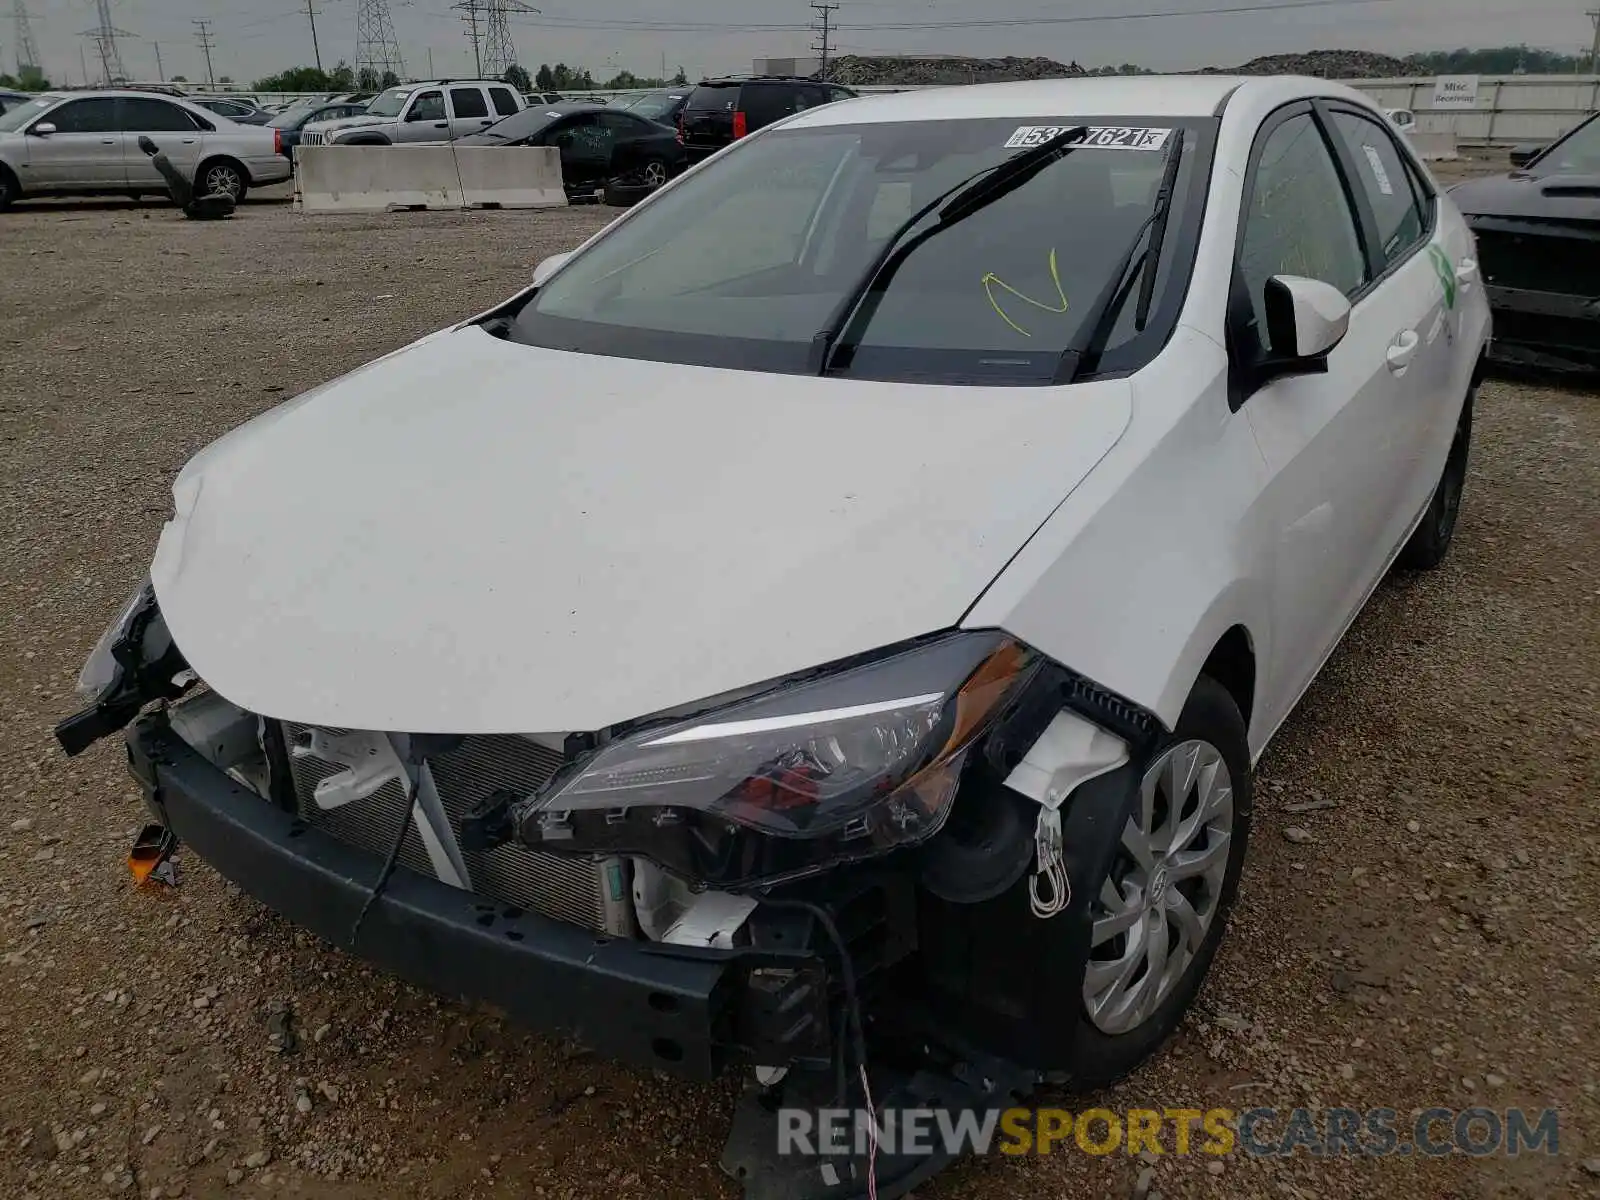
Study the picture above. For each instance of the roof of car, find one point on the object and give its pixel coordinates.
(1142, 95)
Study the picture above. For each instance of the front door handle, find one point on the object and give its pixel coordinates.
(1467, 273)
(442, 125)
(1402, 350)
(108, 141)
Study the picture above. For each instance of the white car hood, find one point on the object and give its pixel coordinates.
(476, 536)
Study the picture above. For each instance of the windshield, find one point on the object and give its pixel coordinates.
(523, 124)
(745, 261)
(654, 105)
(1578, 155)
(14, 119)
(389, 104)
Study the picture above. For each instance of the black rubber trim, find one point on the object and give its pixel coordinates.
(651, 1010)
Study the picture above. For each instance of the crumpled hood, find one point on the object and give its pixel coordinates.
(476, 536)
(1556, 197)
(327, 127)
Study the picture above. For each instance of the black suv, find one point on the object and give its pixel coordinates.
(720, 111)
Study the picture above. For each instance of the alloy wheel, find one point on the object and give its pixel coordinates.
(1161, 896)
(655, 174)
(221, 178)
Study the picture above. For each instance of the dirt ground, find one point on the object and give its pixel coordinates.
(1428, 933)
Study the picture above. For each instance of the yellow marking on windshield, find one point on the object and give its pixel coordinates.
(991, 280)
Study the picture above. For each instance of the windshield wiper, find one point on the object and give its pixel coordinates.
(1101, 319)
(855, 311)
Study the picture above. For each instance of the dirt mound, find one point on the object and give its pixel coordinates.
(857, 70)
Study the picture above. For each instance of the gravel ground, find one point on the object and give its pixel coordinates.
(1427, 934)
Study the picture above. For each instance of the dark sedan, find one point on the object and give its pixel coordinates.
(1538, 232)
(240, 112)
(291, 121)
(10, 100)
(661, 106)
(601, 147)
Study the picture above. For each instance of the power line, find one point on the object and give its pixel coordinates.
(206, 44)
(823, 45)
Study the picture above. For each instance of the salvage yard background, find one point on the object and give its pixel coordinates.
(1419, 922)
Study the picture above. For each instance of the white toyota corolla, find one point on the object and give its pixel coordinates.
(835, 612)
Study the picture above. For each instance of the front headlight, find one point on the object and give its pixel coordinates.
(844, 766)
(101, 670)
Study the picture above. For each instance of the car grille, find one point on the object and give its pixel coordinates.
(1541, 256)
(580, 892)
(311, 137)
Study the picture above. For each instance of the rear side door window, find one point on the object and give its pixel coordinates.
(1382, 175)
(155, 116)
(504, 102)
(468, 102)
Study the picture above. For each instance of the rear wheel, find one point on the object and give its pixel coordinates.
(10, 190)
(1431, 542)
(633, 186)
(222, 175)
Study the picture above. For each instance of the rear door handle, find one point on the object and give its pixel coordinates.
(486, 121)
(1402, 350)
(108, 141)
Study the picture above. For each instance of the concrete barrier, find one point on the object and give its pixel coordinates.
(376, 178)
(511, 176)
(1434, 147)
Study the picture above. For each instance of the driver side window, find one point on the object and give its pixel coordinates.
(1297, 220)
(428, 106)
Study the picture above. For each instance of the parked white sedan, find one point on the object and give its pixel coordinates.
(924, 513)
(87, 143)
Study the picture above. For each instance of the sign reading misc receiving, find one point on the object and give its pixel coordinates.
(1455, 91)
(1099, 137)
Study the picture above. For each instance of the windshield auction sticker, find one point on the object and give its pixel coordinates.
(1099, 137)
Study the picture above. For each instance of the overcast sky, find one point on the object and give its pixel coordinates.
(257, 37)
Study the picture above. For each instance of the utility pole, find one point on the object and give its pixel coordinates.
(470, 10)
(824, 28)
(316, 49)
(83, 61)
(206, 44)
(161, 72)
(27, 50)
(1594, 54)
(431, 75)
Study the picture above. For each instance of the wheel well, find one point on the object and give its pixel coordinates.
(1232, 663)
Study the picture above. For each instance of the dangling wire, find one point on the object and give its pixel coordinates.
(1052, 867)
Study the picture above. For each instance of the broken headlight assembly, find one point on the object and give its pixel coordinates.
(809, 775)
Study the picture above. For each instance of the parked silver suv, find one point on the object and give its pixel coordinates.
(88, 142)
(421, 112)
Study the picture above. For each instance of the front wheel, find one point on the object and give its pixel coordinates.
(9, 189)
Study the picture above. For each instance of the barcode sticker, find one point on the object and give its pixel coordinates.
(1099, 137)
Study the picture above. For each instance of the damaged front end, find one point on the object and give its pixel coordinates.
(796, 878)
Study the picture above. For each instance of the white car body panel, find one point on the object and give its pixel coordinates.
(439, 543)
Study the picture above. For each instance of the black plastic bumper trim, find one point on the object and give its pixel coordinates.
(649, 1010)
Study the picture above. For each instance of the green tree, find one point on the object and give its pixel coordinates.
(518, 77)
(180, 79)
(341, 79)
(543, 79)
(681, 79)
(388, 80)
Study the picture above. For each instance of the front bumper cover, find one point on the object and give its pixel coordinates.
(669, 1008)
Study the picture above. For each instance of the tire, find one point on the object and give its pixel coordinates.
(1028, 988)
(224, 175)
(10, 189)
(1210, 727)
(1430, 543)
(625, 190)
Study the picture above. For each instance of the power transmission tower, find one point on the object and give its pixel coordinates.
(823, 24)
(206, 44)
(377, 47)
(499, 54)
(105, 37)
(27, 49)
(316, 49)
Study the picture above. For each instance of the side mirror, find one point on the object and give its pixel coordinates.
(43, 129)
(549, 267)
(1306, 320)
(1522, 155)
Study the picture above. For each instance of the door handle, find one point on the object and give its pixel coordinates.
(441, 125)
(1467, 273)
(1402, 350)
(108, 141)
(190, 141)
(486, 121)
